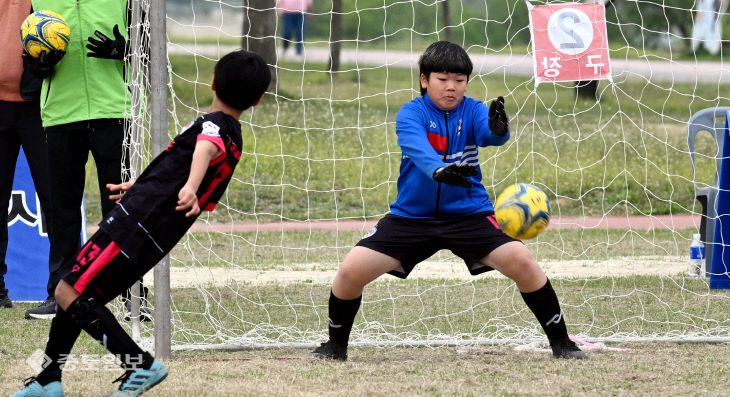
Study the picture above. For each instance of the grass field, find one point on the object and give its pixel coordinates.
(645, 370)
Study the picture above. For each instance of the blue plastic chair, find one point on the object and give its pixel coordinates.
(711, 120)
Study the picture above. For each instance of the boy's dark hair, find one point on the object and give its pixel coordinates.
(444, 57)
(241, 77)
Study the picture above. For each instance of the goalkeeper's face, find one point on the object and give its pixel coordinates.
(446, 90)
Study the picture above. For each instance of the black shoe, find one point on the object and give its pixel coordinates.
(144, 311)
(5, 299)
(330, 351)
(46, 310)
(567, 349)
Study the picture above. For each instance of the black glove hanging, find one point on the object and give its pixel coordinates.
(106, 47)
(498, 120)
(42, 66)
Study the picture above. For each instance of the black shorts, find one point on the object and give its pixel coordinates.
(102, 270)
(411, 241)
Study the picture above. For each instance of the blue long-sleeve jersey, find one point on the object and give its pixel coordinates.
(431, 138)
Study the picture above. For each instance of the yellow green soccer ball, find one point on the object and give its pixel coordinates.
(44, 31)
(522, 211)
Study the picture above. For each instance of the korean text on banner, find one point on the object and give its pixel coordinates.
(27, 255)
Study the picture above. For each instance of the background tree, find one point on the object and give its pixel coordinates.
(259, 31)
(646, 23)
(589, 88)
(335, 37)
(447, 20)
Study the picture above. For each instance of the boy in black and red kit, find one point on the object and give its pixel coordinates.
(153, 214)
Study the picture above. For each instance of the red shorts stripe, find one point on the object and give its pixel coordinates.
(101, 261)
(494, 221)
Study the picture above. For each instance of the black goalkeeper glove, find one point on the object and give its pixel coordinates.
(106, 47)
(42, 66)
(455, 174)
(498, 120)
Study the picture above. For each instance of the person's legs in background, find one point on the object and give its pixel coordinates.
(4, 298)
(9, 148)
(289, 28)
(299, 24)
(33, 140)
(68, 151)
(106, 143)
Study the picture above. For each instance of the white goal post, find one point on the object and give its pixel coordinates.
(320, 164)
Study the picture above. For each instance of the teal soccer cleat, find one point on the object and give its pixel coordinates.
(139, 381)
(34, 389)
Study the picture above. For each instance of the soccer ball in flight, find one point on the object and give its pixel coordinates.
(522, 211)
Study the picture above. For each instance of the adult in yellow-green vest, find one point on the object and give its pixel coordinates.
(84, 107)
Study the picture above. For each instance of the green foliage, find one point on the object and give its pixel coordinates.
(493, 24)
(648, 25)
(651, 22)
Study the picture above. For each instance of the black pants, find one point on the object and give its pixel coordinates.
(20, 125)
(68, 150)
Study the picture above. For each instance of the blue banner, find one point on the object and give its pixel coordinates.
(720, 273)
(27, 256)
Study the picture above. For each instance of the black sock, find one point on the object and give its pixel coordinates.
(544, 304)
(341, 316)
(99, 322)
(61, 338)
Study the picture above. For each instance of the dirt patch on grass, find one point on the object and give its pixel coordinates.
(182, 277)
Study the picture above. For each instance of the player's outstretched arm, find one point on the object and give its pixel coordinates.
(120, 188)
(204, 152)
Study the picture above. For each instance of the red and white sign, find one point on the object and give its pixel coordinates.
(569, 42)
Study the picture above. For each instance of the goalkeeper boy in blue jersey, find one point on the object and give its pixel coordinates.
(152, 215)
(442, 204)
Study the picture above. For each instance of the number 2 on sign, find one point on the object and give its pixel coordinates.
(570, 31)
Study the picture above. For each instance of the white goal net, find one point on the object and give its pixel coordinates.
(320, 164)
